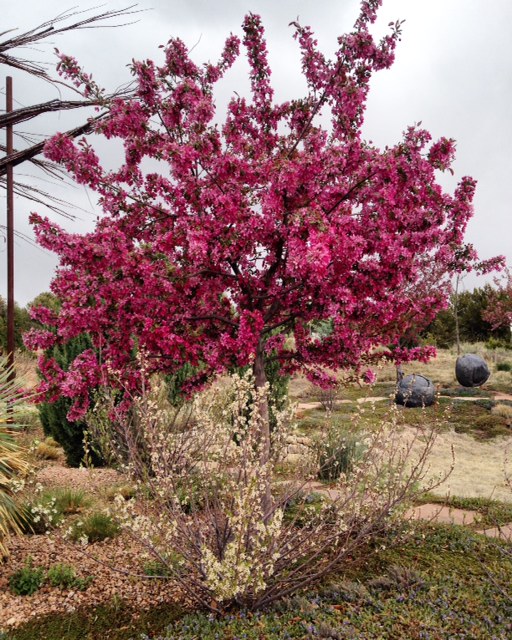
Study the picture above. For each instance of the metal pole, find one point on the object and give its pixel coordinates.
(10, 237)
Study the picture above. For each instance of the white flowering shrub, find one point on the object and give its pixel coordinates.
(204, 486)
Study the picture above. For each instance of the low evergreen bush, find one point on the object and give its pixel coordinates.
(53, 416)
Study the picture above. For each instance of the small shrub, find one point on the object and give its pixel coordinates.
(64, 576)
(69, 501)
(26, 580)
(61, 575)
(40, 516)
(242, 549)
(94, 528)
(46, 451)
(338, 452)
(495, 343)
(504, 366)
(127, 491)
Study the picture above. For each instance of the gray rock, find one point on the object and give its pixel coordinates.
(471, 370)
(415, 391)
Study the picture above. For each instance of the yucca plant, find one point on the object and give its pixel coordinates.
(12, 462)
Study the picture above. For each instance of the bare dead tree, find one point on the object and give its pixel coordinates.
(51, 28)
(61, 24)
(68, 21)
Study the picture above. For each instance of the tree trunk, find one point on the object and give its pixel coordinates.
(260, 380)
(456, 313)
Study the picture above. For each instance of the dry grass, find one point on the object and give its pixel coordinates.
(479, 463)
(48, 451)
(504, 411)
(26, 369)
(478, 470)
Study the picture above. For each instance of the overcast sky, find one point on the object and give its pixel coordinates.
(453, 72)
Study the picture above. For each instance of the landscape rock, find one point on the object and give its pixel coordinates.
(471, 370)
(415, 391)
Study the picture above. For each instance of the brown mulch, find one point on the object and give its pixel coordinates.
(103, 560)
(117, 564)
(89, 480)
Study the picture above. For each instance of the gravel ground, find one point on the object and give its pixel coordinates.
(90, 480)
(99, 560)
(114, 563)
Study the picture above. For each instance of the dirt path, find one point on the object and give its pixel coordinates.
(448, 515)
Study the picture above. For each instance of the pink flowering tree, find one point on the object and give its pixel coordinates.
(499, 306)
(225, 244)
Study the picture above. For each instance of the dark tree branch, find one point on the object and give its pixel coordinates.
(27, 113)
(47, 29)
(347, 195)
(27, 154)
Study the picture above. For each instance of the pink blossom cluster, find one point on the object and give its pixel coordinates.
(69, 68)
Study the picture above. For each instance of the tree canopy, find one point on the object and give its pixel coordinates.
(226, 243)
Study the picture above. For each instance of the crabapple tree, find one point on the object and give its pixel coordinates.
(499, 306)
(226, 242)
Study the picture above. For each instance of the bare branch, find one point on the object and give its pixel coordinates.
(48, 28)
(27, 154)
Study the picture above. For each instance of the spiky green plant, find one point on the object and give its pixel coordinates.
(12, 462)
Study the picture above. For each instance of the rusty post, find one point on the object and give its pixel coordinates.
(10, 239)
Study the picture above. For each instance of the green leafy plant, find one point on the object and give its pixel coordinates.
(26, 580)
(504, 366)
(61, 575)
(64, 576)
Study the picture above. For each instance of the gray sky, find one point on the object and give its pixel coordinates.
(453, 72)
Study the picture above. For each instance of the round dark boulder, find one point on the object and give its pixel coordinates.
(415, 391)
(471, 370)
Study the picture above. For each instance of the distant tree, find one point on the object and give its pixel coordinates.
(442, 329)
(22, 323)
(498, 312)
(473, 309)
(45, 299)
